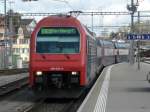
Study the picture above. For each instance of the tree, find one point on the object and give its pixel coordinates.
(113, 35)
(142, 27)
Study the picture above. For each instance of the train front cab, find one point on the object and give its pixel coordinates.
(67, 73)
(55, 66)
(61, 70)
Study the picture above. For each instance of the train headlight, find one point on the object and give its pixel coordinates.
(74, 73)
(38, 73)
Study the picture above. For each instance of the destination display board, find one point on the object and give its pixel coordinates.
(57, 31)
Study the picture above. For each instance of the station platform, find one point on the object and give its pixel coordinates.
(120, 88)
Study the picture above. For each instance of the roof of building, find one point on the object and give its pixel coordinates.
(26, 21)
(24, 24)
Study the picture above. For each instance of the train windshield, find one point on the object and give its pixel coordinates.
(63, 40)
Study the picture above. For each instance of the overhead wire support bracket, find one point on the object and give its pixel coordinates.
(77, 13)
(105, 13)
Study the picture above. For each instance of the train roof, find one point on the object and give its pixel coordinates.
(67, 20)
(58, 20)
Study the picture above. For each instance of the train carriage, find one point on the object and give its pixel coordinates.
(122, 52)
(105, 53)
(109, 53)
(65, 57)
(100, 55)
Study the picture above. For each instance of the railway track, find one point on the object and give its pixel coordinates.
(52, 105)
(25, 101)
(60, 105)
(57, 105)
(19, 101)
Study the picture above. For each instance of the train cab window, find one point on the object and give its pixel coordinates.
(58, 40)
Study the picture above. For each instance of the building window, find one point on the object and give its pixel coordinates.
(21, 41)
(14, 41)
(17, 50)
(14, 50)
(28, 50)
(26, 58)
(23, 50)
(24, 41)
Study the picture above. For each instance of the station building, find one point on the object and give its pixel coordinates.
(21, 43)
(18, 43)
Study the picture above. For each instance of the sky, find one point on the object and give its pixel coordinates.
(83, 5)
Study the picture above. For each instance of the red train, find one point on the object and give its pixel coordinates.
(62, 54)
(65, 57)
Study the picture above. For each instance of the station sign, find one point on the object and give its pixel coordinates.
(138, 36)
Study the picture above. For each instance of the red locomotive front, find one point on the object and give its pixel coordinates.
(58, 53)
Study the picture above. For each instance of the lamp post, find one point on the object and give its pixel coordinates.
(132, 30)
(5, 37)
(7, 41)
(6, 51)
(132, 8)
(10, 35)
